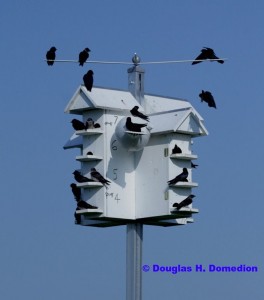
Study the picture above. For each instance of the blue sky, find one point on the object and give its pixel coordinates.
(43, 255)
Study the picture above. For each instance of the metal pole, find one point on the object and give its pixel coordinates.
(134, 261)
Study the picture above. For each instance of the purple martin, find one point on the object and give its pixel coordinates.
(80, 178)
(76, 192)
(187, 201)
(181, 177)
(134, 126)
(134, 111)
(77, 216)
(206, 53)
(89, 123)
(98, 177)
(77, 195)
(84, 205)
(193, 165)
(176, 150)
(83, 56)
(88, 80)
(51, 55)
(207, 97)
(78, 125)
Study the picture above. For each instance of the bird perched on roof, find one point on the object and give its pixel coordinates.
(51, 55)
(134, 126)
(80, 178)
(193, 165)
(134, 111)
(207, 97)
(88, 80)
(181, 177)
(176, 149)
(206, 53)
(83, 56)
(187, 201)
(98, 177)
(78, 125)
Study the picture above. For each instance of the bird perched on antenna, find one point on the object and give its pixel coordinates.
(187, 201)
(206, 53)
(98, 177)
(88, 80)
(51, 55)
(83, 56)
(134, 111)
(181, 177)
(207, 97)
(134, 126)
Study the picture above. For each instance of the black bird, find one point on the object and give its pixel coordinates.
(76, 192)
(207, 97)
(89, 153)
(84, 205)
(51, 55)
(176, 150)
(187, 201)
(193, 165)
(134, 126)
(77, 216)
(96, 125)
(83, 56)
(88, 80)
(80, 178)
(181, 177)
(98, 177)
(206, 53)
(78, 125)
(77, 195)
(134, 111)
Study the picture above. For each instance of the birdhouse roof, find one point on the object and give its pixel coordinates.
(101, 98)
(161, 110)
(185, 120)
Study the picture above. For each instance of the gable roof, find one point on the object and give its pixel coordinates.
(101, 98)
(184, 120)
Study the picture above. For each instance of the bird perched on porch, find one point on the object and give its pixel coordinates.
(207, 97)
(134, 126)
(134, 111)
(95, 175)
(187, 201)
(206, 53)
(78, 125)
(181, 177)
(83, 56)
(51, 55)
(176, 149)
(80, 178)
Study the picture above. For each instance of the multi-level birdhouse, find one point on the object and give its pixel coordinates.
(137, 164)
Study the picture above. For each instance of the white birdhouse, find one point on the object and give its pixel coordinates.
(137, 164)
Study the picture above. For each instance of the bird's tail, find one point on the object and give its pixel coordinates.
(176, 205)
